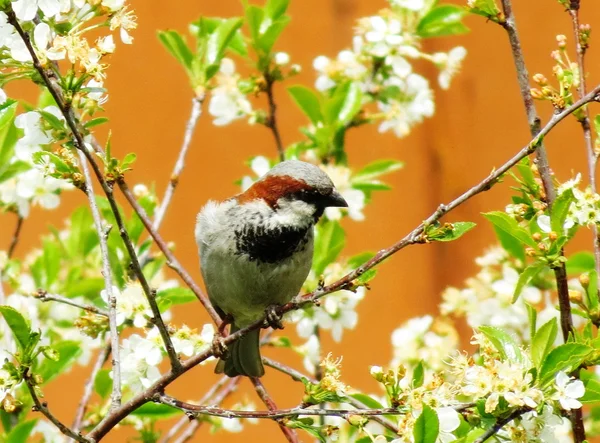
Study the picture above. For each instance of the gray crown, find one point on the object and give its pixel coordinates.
(308, 173)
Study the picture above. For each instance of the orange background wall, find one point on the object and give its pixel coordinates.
(478, 124)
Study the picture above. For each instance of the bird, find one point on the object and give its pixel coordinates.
(256, 250)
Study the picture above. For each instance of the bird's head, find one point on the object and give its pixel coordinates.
(295, 190)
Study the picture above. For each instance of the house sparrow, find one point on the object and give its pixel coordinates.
(256, 250)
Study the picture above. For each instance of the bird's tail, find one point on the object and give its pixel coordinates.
(244, 356)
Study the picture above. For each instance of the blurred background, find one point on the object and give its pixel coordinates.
(477, 126)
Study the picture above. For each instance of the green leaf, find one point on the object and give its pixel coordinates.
(345, 103)
(543, 341)
(510, 226)
(503, 342)
(307, 101)
(528, 273)
(276, 8)
(580, 262)
(220, 38)
(442, 21)
(18, 325)
(41, 157)
(566, 358)
(510, 244)
(8, 130)
(68, 352)
(448, 231)
(330, 241)
(427, 426)
(254, 18)
(376, 169)
(95, 122)
(270, 36)
(418, 375)
(54, 122)
(366, 400)
(52, 261)
(156, 411)
(21, 432)
(103, 383)
(532, 316)
(560, 209)
(174, 296)
(8, 171)
(592, 388)
(177, 47)
(128, 160)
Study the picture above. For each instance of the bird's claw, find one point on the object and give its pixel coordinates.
(218, 347)
(273, 317)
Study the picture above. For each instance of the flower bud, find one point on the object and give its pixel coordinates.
(358, 420)
(295, 69)
(536, 93)
(540, 79)
(530, 252)
(377, 373)
(584, 279)
(537, 236)
(553, 235)
(281, 58)
(575, 296)
(562, 41)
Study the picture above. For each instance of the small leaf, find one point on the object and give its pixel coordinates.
(564, 358)
(307, 101)
(18, 325)
(345, 103)
(220, 38)
(580, 262)
(177, 47)
(418, 375)
(442, 20)
(329, 242)
(156, 411)
(276, 8)
(254, 18)
(503, 342)
(510, 226)
(270, 36)
(8, 171)
(42, 157)
(560, 209)
(526, 276)
(21, 432)
(95, 122)
(427, 426)
(128, 161)
(376, 169)
(174, 296)
(103, 383)
(510, 244)
(68, 352)
(366, 400)
(592, 388)
(543, 341)
(448, 231)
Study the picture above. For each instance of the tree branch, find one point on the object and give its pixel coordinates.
(43, 296)
(89, 387)
(15, 237)
(115, 397)
(271, 122)
(413, 237)
(195, 114)
(79, 143)
(500, 423)
(560, 271)
(260, 389)
(43, 408)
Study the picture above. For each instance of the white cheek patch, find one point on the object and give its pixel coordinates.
(295, 212)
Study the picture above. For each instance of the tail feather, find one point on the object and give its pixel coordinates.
(244, 357)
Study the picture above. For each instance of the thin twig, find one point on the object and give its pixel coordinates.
(195, 114)
(43, 408)
(415, 236)
(298, 376)
(271, 122)
(15, 237)
(560, 271)
(45, 297)
(260, 389)
(500, 423)
(275, 414)
(115, 397)
(79, 143)
(172, 261)
(89, 386)
(218, 399)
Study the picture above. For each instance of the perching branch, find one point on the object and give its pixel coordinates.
(45, 297)
(89, 387)
(115, 397)
(415, 236)
(15, 238)
(260, 389)
(79, 143)
(560, 271)
(195, 114)
(43, 408)
(271, 122)
(500, 423)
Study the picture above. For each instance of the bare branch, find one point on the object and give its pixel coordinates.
(89, 386)
(271, 122)
(195, 114)
(15, 237)
(115, 398)
(45, 297)
(79, 143)
(260, 389)
(43, 408)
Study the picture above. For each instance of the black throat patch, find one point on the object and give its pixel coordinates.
(270, 245)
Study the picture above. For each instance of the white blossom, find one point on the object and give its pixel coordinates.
(139, 360)
(227, 102)
(449, 65)
(568, 390)
(449, 422)
(26, 10)
(341, 178)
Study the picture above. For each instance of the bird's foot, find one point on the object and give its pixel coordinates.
(273, 317)
(227, 320)
(218, 347)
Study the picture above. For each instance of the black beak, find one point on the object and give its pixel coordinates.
(334, 200)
